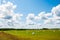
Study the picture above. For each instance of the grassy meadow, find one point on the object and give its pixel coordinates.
(30, 35)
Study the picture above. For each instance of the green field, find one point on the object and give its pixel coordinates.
(30, 35)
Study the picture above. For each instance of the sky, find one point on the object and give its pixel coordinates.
(32, 14)
(34, 6)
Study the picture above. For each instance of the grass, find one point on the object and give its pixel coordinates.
(35, 34)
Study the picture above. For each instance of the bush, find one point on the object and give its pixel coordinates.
(45, 29)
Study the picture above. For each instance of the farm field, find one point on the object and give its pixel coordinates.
(30, 35)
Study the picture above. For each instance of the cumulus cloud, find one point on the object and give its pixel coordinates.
(55, 19)
(30, 18)
(56, 13)
(56, 10)
(8, 18)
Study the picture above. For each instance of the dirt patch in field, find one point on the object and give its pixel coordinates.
(6, 36)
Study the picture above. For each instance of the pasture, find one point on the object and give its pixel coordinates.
(30, 35)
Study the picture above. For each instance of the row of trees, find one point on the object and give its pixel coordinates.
(30, 29)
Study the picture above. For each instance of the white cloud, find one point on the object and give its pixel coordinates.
(42, 16)
(56, 10)
(8, 18)
(17, 16)
(56, 13)
(30, 18)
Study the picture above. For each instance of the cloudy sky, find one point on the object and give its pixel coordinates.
(29, 14)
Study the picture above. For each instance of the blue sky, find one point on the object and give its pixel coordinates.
(34, 6)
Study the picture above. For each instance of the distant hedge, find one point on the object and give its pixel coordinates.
(3, 29)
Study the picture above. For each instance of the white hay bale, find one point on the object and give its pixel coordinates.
(33, 33)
